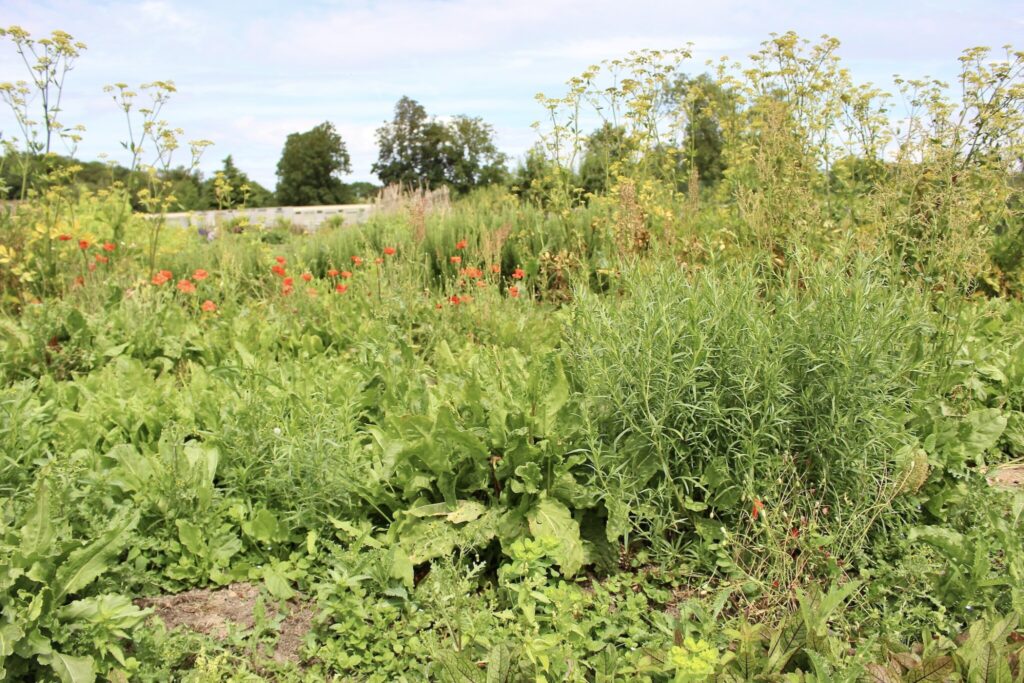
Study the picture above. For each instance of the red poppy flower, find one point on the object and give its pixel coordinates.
(288, 282)
(357, 260)
(455, 259)
(286, 289)
(186, 287)
(340, 288)
(794, 532)
(389, 251)
(513, 292)
(280, 260)
(65, 237)
(83, 244)
(495, 268)
(333, 272)
(109, 246)
(306, 277)
(208, 306)
(167, 274)
(100, 258)
(200, 274)
(346, 274)
(461, 244)
(160, 278)
(454, 300)
(755, 512)
(278, 270)
(518, 274)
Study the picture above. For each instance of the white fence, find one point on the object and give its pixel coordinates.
(305, 217)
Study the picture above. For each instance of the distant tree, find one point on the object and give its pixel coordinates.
(705, 103)
(362, 191)
(415, 149)
(310, 168)
(239, 188)
(403, 144)
(468, 154)
(604, 147)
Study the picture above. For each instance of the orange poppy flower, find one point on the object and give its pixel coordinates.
(461, 244)
(495, 268)
(208, 306)
(186, 287)
(518, 274)
(389, 251)
(109, 246)
(83, 244)
(306, 277)
(100, 258)
(341, 289)
(454, 300)
(455, 259)
(357, 260)
(346, 274)
(65, 237)
(200, 274)
(513, 292)
(280, 260)
(160, 278)
(278, 270)
(333, 272)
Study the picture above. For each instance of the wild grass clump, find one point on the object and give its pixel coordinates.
(750, 416)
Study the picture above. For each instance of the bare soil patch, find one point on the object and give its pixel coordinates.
(1007, 476)
(215, 612)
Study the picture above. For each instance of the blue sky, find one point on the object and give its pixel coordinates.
(248, 74)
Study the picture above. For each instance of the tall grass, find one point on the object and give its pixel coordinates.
(715, 392)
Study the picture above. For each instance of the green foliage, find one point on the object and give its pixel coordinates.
(310, 166)
(418, 151)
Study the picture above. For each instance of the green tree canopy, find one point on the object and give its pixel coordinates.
(311, 166)
(241, 190)
(416, 149)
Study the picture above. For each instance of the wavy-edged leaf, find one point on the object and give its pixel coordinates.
(552, 518)
(37, 534)
(85, 564)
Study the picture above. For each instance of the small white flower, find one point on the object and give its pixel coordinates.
(277, 431)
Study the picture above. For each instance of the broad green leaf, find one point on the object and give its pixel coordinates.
(265, 528)
(71, 669)
(37, 534)
(401, 566)
(85, 564)
(466, 511)
(191, 537)
(556, 398)
(277, 584)
(553, 519)
(9, 634)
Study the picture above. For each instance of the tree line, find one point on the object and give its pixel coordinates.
(414, 149)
